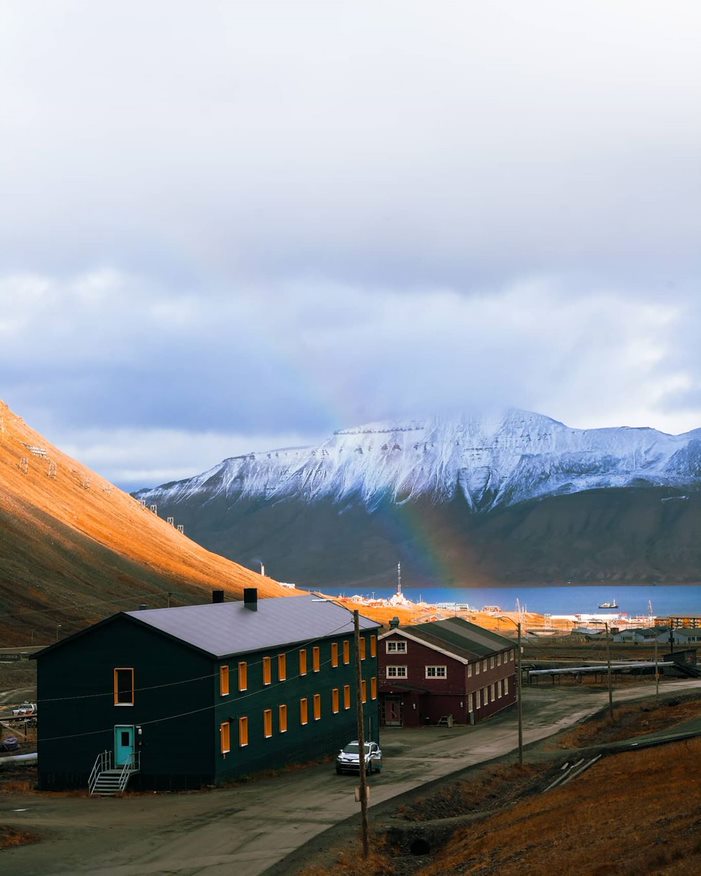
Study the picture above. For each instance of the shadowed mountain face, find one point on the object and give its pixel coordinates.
(522, 499)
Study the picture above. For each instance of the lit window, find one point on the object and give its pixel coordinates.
(373, 688)
(396, 672)
(243, 731)
(243, 675)
(361, 646)
(282, 718)
(225, 737)
(267, 671)
(268, 723)
(317, 706)
(303, 711)
(123, 687)
(334, 654)
(346, 651)
(223, 680)
(373, 646)
(303, 661)
(335, 701)
(316, 658)
(436, 672)
(364, 691)
(281, 667)
(395, 646)
(346, 696)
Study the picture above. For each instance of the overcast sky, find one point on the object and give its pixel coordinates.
(230, 226)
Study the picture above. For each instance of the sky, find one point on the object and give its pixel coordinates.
(235, 226)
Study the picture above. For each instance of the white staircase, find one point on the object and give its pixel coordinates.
(106, 780)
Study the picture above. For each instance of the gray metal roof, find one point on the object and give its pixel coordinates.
(227, 628)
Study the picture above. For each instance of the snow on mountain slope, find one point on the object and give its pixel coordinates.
(493, 461)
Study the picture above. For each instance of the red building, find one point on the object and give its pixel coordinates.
(444, 668)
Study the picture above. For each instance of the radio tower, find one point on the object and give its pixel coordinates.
(399, 579)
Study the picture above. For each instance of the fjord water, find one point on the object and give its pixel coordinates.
(666, 599)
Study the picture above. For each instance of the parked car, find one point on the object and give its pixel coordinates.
(9, 743)
(348, 760)
(25, 710)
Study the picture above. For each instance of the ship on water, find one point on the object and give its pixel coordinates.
(611, 604)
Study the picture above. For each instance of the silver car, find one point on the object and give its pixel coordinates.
(348, 760)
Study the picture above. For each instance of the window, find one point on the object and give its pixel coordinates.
(436, 672)
(373, 646)
(303, 661)
(373, 688)
(361, 647)
(346, 652)
(346, 696)
(334, 654)
(317, 706)
(478, 699)
(225, 737)
(491, 662)
(511, 656)
(395, 646)
(281, 667)
(243, 732)
(499, 691)
(243, 675)
(492, 686)
(364, 691)
(470, 702)
(268, 723)
(498, 659)
(282, 718)
(484, 665)
(124, 687)
(223, 680)
(316, 658)
(506, 686)
(267, 671)
(469, 670)
(335, 701)
(477, 668)
(396, 672)
(304, 711)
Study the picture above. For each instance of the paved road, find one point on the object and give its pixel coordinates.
(248, 828)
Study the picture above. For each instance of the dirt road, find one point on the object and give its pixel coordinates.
(249, 827)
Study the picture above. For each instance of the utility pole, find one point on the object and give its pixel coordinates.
(361, 736)
(608, 671)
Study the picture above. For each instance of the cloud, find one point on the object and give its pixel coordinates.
(258, 219)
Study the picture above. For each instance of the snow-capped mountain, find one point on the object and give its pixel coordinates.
(487, 462)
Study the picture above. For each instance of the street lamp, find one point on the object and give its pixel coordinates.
(517, 624)
(608, 665)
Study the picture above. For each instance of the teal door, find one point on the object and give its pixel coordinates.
(123, 743)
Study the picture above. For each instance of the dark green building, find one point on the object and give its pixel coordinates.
(183, 697)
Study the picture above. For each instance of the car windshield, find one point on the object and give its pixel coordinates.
(353, 748)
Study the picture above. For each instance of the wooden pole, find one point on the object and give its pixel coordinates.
(361, 736)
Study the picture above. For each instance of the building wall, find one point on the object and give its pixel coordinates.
(172, 705)
(300, 741)
(470, 693)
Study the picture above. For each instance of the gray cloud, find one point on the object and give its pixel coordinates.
(278, 218)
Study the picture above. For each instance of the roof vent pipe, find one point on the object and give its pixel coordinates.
(217, 596)
(250, 598)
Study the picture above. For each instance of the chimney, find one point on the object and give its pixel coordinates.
(217, 596)
(250, 598)
(143, 606)
(394, 623)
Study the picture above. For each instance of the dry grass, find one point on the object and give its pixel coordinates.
(10, 837)
(632, 813)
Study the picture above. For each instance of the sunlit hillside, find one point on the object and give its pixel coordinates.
(74, 548)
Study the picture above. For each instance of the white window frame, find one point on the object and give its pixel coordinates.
(439, 671)
(395, 646)
(397, 672)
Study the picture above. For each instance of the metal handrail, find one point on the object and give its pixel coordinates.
(102, 762)
(131, 765)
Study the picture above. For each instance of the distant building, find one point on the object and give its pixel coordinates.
(184, 697)
(445, 668)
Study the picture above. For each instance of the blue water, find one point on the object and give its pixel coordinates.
(666, 599)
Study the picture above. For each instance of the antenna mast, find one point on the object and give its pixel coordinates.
(399, 579)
